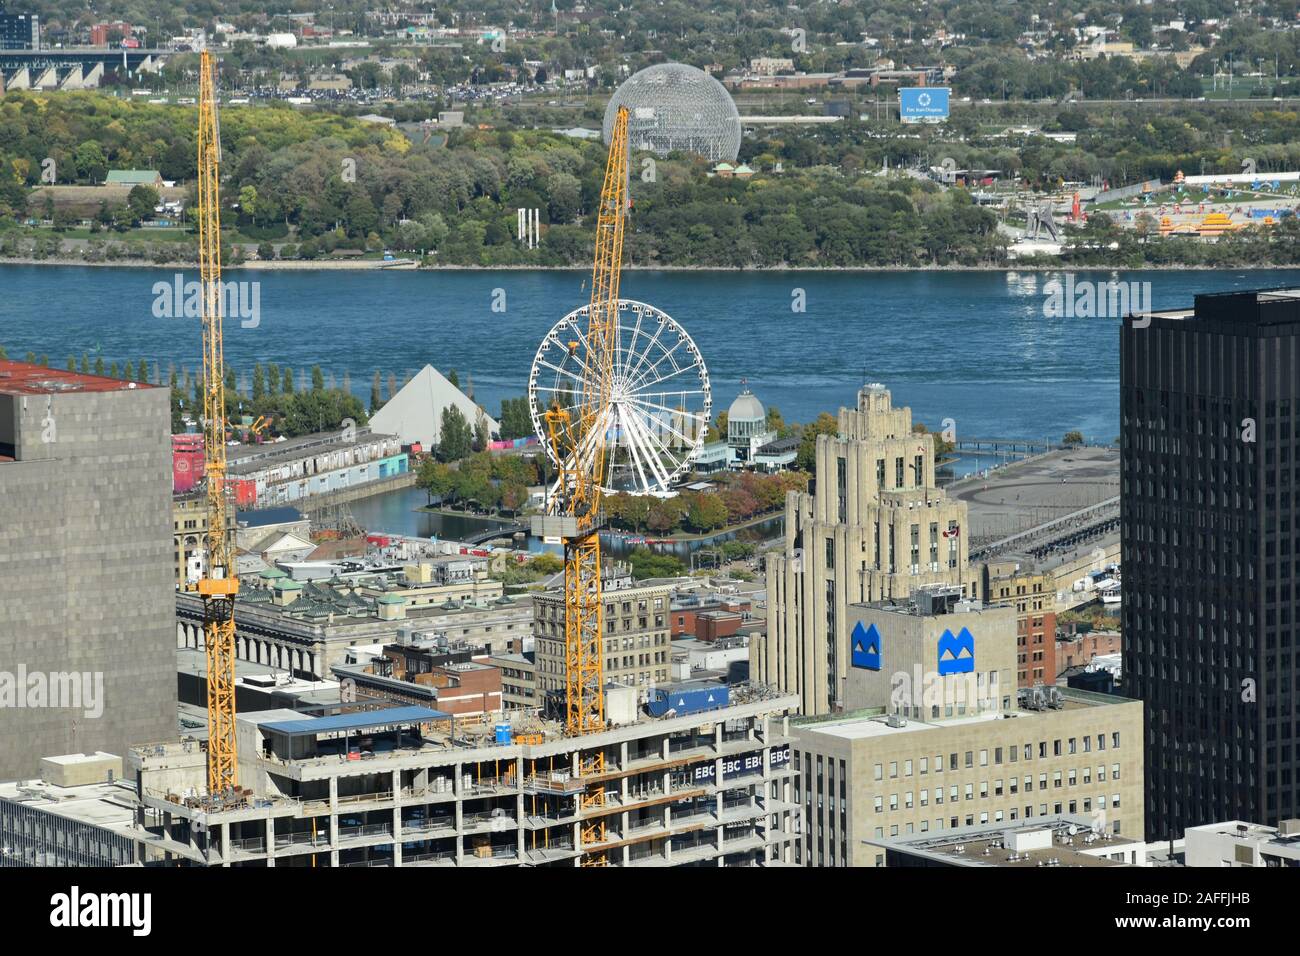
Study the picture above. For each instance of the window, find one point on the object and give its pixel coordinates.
(893, 770)
(879, 770)
(1114, 771)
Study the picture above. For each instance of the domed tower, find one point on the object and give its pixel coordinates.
(746, 419)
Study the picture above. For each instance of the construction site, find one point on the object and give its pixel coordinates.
(411, 786)
(607, 774)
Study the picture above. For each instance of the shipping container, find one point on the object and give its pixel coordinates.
(687, 699)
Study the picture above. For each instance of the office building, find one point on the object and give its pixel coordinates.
(943, 740)
(637, 652)
(1033, 595)
(87, 581)
(19, 31)
(874, 528)
(1210, 434)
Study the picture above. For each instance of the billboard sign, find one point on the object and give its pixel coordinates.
(923, 104)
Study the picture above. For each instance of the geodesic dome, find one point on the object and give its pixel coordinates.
(674, 106)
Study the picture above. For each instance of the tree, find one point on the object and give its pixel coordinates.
(824, 425)
(646, 564)
(455, 437)
(287, 386)
(259, 382)
(705, 511)
(1073, 438)
(453, 378)
(376, 400)
(437, 479)
(317, 379)
(665, 513)
(141, 201)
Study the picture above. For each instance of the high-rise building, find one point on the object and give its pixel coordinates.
(938, 739)
(19, 31)
(874, 527)
(1210, 436)
(87, 585)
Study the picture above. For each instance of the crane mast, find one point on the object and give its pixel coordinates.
(579, 446)
(219, 584)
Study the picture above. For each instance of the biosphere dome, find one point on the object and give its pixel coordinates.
(675, 106)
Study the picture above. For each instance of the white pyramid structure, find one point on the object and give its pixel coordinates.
(414, 414)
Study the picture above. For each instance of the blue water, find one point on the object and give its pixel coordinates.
(971, 346)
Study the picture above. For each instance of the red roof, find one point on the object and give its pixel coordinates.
(24, 378)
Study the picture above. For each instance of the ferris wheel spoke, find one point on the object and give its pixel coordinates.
(640, 468)
(668, 356)
(637, 429)
(647, 351)
(694, 417)
(560, 370)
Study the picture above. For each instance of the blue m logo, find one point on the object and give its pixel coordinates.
(956, 654)
(866, 647)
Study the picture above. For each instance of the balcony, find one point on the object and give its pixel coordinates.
(368, 834)
(441, 858)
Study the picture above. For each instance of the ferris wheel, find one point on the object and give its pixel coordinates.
(660, 400)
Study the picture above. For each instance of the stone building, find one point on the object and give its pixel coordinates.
(874, 527)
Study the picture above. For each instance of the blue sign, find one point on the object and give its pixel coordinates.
(923, 104)
(956, 654)
(866, 647)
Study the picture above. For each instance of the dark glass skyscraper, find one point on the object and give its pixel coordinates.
(1210, 427)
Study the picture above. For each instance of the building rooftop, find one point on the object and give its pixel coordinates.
(292, 724)
(877, 724)
(99, 804)
(24, 378)
(1062, 840)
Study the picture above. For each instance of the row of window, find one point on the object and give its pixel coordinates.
(1067, 778)
(1059, 748)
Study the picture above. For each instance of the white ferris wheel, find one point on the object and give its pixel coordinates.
(660, 402)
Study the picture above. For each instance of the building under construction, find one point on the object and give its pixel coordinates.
(411, 786)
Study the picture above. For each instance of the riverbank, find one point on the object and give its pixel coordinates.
(374, 265)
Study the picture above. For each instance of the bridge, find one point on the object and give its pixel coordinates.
(1008, 446)
(502, 531)
(1060, 534)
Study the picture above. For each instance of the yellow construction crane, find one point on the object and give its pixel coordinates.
(579, 446)
(219, 584)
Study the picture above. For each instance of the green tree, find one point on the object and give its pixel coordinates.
(259, 382)
(437, 479)
(1073, 438)
(376, 400)
(825, 424)
(317, 379)
(455, 437)
(141, 201)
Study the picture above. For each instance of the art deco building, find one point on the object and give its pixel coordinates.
(874, 527)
